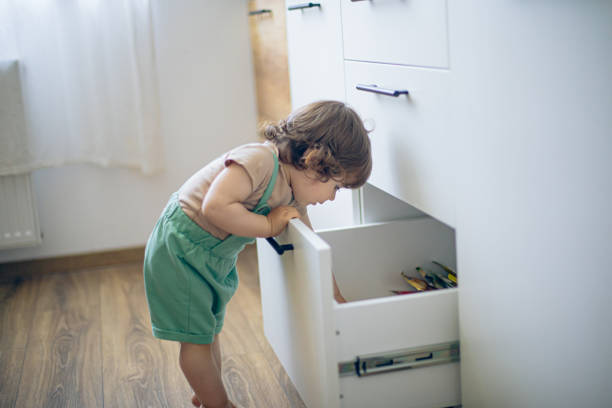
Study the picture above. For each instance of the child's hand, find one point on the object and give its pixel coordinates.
(337, 295)
(279, 217)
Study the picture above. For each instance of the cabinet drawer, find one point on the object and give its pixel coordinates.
(412, 147)
(396, 32)
(312, 334)
(314, 42)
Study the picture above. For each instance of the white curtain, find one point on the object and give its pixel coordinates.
(86, 71)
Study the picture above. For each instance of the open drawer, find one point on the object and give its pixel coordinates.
(316, 338)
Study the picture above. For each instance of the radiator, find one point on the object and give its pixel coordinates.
(18, 216)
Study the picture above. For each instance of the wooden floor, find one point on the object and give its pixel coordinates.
(83, 339)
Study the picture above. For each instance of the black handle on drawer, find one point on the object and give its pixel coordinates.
(280, 249)
(303, 6)
(382, 91)
(262, 11)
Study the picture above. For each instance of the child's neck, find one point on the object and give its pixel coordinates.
(290, 174)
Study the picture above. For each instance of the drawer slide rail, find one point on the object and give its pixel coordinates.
(416, 357)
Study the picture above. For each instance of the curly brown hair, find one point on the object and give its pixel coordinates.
(327, 137)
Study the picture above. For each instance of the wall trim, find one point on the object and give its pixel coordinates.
(27, 269)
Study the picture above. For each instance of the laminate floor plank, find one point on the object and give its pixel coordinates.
(63, 363)
(237, 335)
(139, 370)
(17, 303)
(279, 372)
(250, 382)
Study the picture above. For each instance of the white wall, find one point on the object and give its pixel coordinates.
(207, 106)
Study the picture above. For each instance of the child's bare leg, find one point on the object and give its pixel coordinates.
(198, 364)
(216, 348)
(217, 353)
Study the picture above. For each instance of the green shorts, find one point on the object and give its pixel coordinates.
(190, 276)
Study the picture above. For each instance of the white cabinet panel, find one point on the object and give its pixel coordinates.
(378, 206)
(534, 213)
(412, 146)
(314, 42)
(397, 32)
(316, 72)
(311, 333)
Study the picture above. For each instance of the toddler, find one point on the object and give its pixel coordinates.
(251, 191)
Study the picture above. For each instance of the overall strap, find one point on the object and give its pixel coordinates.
(263, 202)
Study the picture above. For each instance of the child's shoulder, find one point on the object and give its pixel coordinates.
(257, 159)
(259, 153)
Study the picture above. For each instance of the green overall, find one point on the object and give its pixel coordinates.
(190, 275)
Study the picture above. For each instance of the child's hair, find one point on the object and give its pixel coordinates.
(327, 137)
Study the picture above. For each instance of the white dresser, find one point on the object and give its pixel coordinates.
(335, 46)
(493, 121)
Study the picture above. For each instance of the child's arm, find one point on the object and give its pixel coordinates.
(223, 207)
(337, 295)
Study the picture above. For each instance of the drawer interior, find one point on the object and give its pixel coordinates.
(367, 260)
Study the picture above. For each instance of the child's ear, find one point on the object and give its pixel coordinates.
(308, 158)
(315, 155)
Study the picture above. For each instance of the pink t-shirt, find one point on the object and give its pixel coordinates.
(257, 160)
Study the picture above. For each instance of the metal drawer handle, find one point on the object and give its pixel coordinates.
(280, 249)
(262, 11)
(303, 6)
(381, 91)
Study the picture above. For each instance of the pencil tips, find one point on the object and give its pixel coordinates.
(442, 277)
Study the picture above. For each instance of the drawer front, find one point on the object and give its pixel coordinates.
(314, 42)
(431, 387)
(396, 32)
(412, 146)
(395, 324)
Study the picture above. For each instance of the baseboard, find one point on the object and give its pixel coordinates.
(26, 269)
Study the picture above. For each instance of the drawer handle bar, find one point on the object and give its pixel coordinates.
(303, 6)
(381, 91)
(280, 249)
(262, 11)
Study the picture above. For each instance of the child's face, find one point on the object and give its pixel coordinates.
(307, 189)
